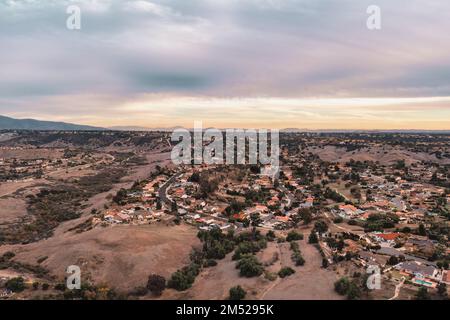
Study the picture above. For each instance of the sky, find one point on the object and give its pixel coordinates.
(229, 63)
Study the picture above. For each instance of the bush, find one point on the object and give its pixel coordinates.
(281, 240)
(41, 259)
(180, 281)
(294, 246)
(249, 267)
(139, 291)
(338, 220)
(8, 255)
(285, 272)
(320, 226)
(293, 236)
(271, 276)
(298, 259)
(349, 288)
(305, 215)
(15, 284)
(378, 222)
(422, 294)
(341, 286)
(442, 289)
(393, 260)
(237, 293)
(297, 255)
(60, 287)
(313, 238)
(333, 195)
(354, 292)
(406, 230)
(156, 284)
(210, 263)
(247, 247)
(270, 236)
(183, 279)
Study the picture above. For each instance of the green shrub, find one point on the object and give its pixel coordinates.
(210, 263)
(60, 286)
(338, 220)
(285, 272)
(247, 247)
(293, 236)
(298, 259)
(313, 238)
(344, 286)
(156, 284)
(271, 276)
(15, 284)
(139, 291)
(237, 293)
(270, 236)
(183, 279)
(249, 266)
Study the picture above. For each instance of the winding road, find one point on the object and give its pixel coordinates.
(162, 192)
(397, 289)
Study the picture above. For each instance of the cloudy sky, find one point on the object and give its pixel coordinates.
(228, 63)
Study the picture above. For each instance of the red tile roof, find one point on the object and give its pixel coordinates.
(388, 236)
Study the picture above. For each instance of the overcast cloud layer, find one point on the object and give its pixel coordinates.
(274, 63)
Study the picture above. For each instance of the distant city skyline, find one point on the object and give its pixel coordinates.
(250, 64)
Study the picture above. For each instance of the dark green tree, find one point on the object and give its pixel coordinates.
(237, 293)
(422, 294)
(15, 284)
(249, 266)
(313, 238)
(442, 289)
(156, 284)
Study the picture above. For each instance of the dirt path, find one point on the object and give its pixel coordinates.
(310, 282)
(397, 289)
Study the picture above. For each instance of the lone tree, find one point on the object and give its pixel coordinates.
(249, 266)
(286, 272)
(237, 293)
(15, 284)
(442, 290)
(393, 260)
(174, 207)
(320, 227)
(341, 286)
(156, 284)
(256, 221)
(305, 215)
(422, 231)
(120, 197)
(313, 238)
(422, 294)
(296, 220)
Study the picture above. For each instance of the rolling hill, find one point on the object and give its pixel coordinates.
(7, 123)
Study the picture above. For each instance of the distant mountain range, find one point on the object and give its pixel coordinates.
(7, 123)
(137, 128)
